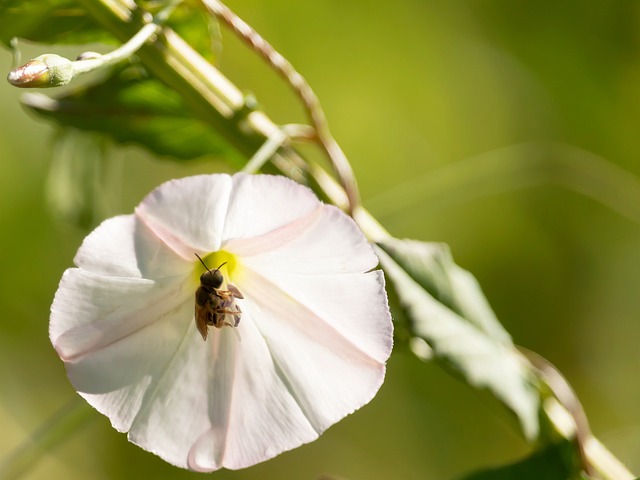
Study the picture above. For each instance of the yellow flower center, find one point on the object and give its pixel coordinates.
(227, 262)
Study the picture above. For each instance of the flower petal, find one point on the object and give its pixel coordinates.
(310, 349)
(139, 366)
(91, 311)
(199, 405)
(253, 416)
(188, 214)
(326, 370)
(110, 248)
(262, 203)
(354, 305)
(325, 240)
(123, 246)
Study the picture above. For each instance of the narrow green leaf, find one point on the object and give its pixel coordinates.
(129, 110)
(555, 462)
(445, 307)
(48, 21)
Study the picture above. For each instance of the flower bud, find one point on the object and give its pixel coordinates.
(47, 70)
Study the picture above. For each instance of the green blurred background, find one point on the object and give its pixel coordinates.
(501, 128)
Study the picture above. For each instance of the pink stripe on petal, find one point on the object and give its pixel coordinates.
(276, 239)
(188, 214)
(109, 309)
(310, 349)
(174, 241)
(325, 242)
(328, 371)
(259, 204)
(252, 414)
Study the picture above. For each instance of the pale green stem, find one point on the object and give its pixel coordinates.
(216, 100)
(50, 70)
(265, 153)
(130, 47)
(604, 462)
(15, 51)
(601, 461)
(118, 55)
(567, 415)
(309, 99)
(75, 414)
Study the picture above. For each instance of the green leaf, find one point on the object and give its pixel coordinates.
(130, 110)
(555, 462)
(65, 21)
(48, 21)
(431, 265)
(75, 188)
(446, 308)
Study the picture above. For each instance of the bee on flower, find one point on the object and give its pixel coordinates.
(307, 346)
(213, 304)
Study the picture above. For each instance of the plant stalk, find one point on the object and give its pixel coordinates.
(75, 414)
(217, 101)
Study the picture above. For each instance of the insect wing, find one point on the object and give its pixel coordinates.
(234, 291)
(202, 312)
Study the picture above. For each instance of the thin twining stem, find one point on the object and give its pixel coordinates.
(567, 398)
(308, 97)
(595, 457)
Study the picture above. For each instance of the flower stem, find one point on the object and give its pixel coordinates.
(217, 101)
(604, 462)
(134, 44)
(309, 99)
(568, 416)
(51, 70)
(122, 53)
(69, 418)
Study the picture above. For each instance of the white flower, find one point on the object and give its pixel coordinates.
(310, 348)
